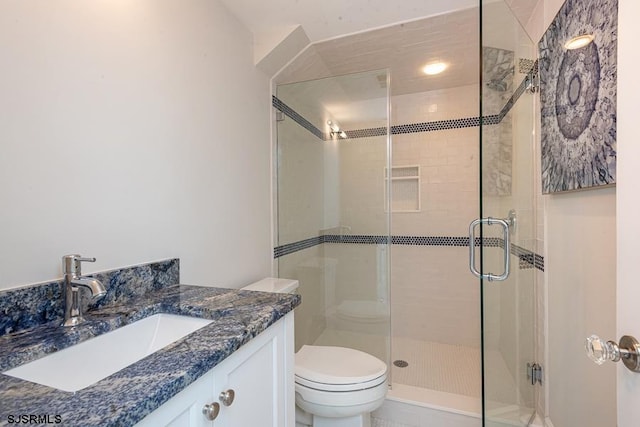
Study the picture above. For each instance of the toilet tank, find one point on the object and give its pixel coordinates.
(274, 284)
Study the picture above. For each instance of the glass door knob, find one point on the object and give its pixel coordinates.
(601, 351)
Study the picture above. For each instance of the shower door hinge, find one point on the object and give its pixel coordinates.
(279, 116)
(534, 373)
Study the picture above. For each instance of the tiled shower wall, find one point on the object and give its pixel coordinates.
(300, 168)
(301, 196)
(434, 297)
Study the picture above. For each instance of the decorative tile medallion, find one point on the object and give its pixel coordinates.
(578, 97)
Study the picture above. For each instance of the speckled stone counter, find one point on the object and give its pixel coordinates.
(127, 396)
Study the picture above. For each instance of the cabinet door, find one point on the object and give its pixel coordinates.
(257, 382)
(185, 408)
(260, 374)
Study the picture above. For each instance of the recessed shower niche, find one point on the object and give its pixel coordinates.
(404, 187)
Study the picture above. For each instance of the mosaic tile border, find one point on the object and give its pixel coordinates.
(527, 258)
(291, 113)
(434, 126)
(424, 127)
(524, 84)
(367, 133)
(526, 66)
(437, 125)
(356, 238)
(467, 122)
(290, 248)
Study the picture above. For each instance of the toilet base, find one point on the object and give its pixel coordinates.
(305, 419)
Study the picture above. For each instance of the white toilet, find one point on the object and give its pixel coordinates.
(335, 386)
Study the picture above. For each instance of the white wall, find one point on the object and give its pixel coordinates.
(580, 274)
(132, 131)
(580, 264)
(628, 203)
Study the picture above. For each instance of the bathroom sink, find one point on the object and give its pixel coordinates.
(81, 365)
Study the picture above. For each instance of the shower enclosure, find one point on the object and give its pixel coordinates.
(378, 176)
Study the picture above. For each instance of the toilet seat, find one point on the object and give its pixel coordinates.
(340, 387)
(338, 369)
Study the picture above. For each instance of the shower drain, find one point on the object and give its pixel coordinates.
(400, 363)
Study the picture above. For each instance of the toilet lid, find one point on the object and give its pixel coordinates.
(337, 365)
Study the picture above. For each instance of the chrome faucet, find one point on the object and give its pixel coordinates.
(72, 284)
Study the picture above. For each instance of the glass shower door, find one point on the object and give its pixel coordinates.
(507, 257)
(332, 220)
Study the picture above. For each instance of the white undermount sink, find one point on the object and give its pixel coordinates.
(81, 365)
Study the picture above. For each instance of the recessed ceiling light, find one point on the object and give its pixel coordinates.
(578, 41)
(434, 68)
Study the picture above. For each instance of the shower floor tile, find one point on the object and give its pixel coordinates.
(453, 369)
(442, 367)
(377, 422)
(436, 366)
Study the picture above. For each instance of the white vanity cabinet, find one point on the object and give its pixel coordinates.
(252, 387)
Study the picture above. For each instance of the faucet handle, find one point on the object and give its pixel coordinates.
(71, 263)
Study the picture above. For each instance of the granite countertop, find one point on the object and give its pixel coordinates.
(127, 396)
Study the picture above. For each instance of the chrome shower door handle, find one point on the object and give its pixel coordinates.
(505, 223)
(472, 248)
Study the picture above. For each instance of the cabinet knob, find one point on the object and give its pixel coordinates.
(211, 411)
(227, 396)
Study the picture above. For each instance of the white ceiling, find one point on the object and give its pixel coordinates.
(403, 49)
(271, 21)
(324, 19)
(352, 36)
